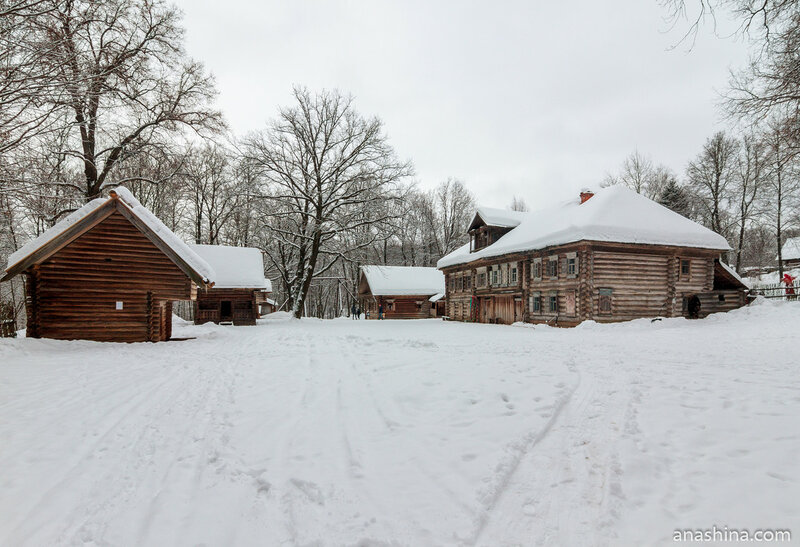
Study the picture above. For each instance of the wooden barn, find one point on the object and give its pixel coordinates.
(240, 290)
(613, 256)
(107, 272)
(404, 292)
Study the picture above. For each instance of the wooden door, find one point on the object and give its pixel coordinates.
(225, 310)
(504, 310)
(569, 304)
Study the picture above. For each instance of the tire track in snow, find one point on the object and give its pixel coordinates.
(522, 448)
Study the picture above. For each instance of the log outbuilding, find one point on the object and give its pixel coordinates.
(400, 292)
(790, 253)
(107, 272)
(240, 292)
(613, 256)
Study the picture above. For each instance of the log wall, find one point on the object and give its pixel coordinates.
(643, 280)
(73, 294)
(244, 305)
(403, 306)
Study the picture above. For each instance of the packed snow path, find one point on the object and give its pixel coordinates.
(408, 433)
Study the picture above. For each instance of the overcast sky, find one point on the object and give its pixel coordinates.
(531, 98)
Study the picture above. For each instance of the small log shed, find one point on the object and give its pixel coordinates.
(240, 293)
(404, 292)
(107, 272)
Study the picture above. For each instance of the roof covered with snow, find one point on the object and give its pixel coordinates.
(126, 199)
(56, 230)
(236, 267)
(498, 217)
(403, 280)
(615, 214)
(735, 275)
(791, 249)
(178, 246)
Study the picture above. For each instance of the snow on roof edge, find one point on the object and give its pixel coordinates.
(181, 248)
(403, 280)
(613, 215)
(53, 232)
(731, 271)
(235, 267)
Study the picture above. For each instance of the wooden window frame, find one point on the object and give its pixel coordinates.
(605, 295)
(688, 275)
(536, 269)
(536, 302)
(552, 260)
(514, 275)
(573, 266)
(552, 302)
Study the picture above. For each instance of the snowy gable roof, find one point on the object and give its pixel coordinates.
(403, 280)
(615, 214)
(159, 229)
(52, 233)
(90, 214)
(236, 267)
(497, 217)
(791, 249)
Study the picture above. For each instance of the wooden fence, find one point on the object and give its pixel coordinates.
(777, 290)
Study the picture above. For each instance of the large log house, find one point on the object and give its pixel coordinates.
(107, 272)
(613, 256)
(404, 292)
(240, 291)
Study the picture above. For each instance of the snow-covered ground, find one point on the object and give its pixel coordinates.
(404, 433)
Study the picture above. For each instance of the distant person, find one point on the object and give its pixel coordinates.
(358, 312)
(789, 281)
(353, 311)
(380, 311)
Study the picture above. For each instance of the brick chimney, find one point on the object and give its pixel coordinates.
(586, 194)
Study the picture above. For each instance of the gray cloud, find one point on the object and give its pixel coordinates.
(530, 98)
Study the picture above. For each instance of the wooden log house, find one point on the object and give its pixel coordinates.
(107, 272)
(614, 256)
(405, 292)
(240, 292)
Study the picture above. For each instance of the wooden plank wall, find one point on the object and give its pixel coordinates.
(405, 306)
(640, 285)
(240, 297)
(560, 284)
(75, 291)
(645, 282)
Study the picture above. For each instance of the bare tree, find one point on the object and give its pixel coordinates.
(518, 204)
(770, 83)
(329, 171)
(747, 187)
(638, 173)
(710, 175)
(118, 69)
(23, 77)
(454, 206)
(782, 181)
(213, 193)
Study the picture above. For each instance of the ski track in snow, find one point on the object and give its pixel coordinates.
(403, 433)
